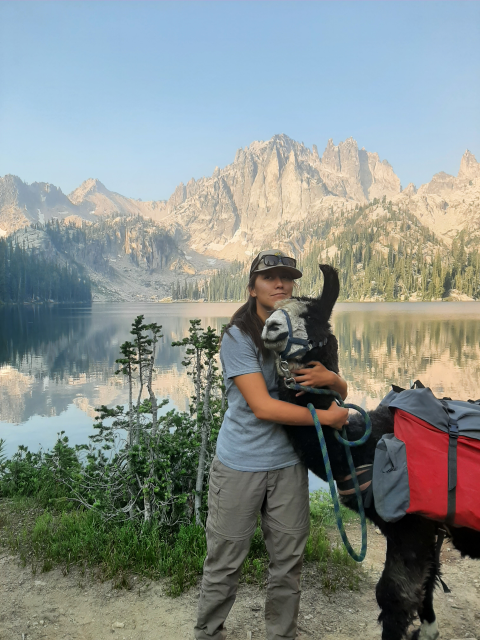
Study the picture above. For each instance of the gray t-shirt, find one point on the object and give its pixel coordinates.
(246, 443)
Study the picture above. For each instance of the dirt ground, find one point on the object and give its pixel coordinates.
(57, 607)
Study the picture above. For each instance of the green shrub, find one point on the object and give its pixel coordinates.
(336, 568)
(120, 550)
(112, 550)
(30, 473)
(322, 511)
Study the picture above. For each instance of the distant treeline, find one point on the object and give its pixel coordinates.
(28, 277)
(227, 284)
(393, 258)
(382, 252)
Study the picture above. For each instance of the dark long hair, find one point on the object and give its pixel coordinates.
(248, 321)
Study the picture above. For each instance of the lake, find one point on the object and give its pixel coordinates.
(57, 363)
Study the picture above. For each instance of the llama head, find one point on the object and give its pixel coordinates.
(310, 323)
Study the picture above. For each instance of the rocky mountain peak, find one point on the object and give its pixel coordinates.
(469, 167)
(22, 203)
(89, 187)
(410, 189)
(344, 158)
(363, 175)
(331, 157)
(45, 187)
(279, 141)
(279, 146)
(271, 183)
(11, 184)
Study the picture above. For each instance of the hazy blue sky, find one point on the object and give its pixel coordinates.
(143, 95)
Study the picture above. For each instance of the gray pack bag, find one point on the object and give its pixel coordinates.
(391, 491)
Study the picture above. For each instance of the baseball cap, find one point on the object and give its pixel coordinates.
(273, 258)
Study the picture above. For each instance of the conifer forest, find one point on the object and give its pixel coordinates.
(382, 252)
(26, 276)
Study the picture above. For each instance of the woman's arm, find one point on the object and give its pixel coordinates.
(320, 376)
(253, 388)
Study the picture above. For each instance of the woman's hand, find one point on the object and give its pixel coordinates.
(319, 376)
(316, 376)
(335, 416)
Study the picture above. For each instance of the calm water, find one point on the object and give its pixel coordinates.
(57, 364)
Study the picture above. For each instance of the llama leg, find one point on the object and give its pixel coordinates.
(467, 541)
(396, 597)
(429, 629)
(400, 590)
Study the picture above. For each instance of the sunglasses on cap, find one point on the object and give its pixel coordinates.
(272, 261)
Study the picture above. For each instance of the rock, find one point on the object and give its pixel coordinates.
(118, 625)
(50, 617)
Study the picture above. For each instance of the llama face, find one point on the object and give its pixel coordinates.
(275, 331)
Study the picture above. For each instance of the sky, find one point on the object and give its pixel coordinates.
(145, 95)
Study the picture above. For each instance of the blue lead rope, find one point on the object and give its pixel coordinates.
(358, 557)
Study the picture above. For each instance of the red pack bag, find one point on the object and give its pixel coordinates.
(442, 440)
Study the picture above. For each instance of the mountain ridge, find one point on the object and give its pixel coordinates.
(269, 185)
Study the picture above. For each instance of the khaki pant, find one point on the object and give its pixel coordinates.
(234, 500)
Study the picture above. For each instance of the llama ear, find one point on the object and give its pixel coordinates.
(328, 297)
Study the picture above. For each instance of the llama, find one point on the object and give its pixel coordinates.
(412, 567)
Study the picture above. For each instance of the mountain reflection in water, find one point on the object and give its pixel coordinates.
(58, 363)
(384, 344)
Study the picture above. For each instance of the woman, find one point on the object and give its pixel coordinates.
(255, 469)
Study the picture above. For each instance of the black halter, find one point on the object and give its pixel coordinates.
(306, 344)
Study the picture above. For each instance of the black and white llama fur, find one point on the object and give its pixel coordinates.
(411, 570)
